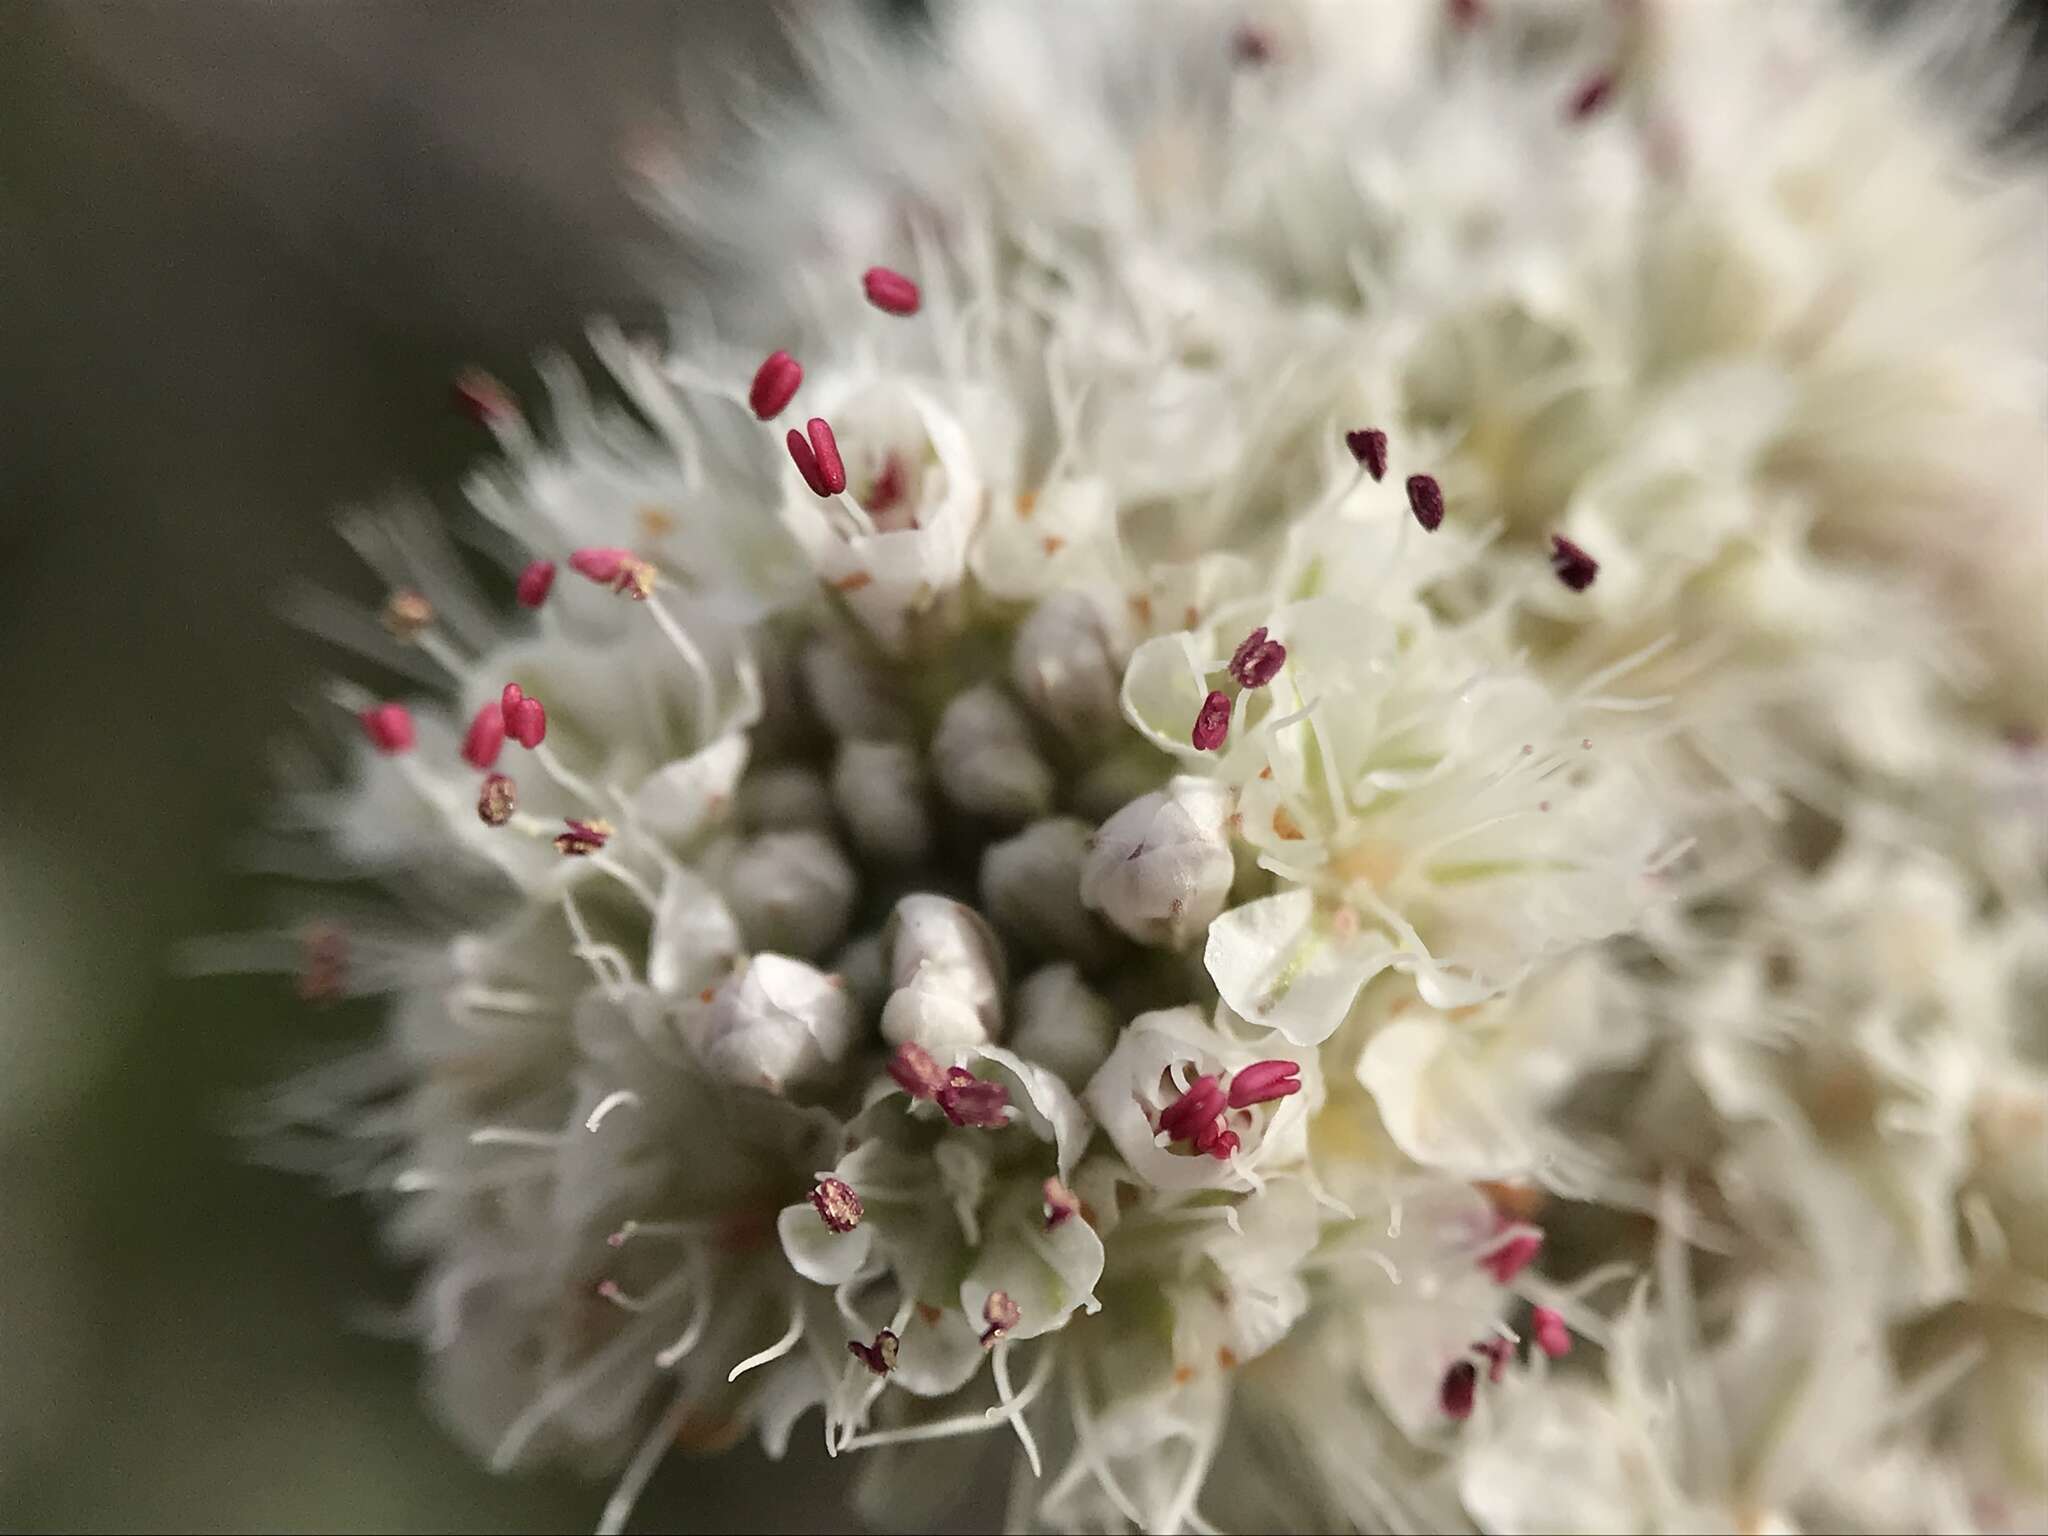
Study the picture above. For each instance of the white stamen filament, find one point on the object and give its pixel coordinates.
(648, 1456)
(1001, 1371)
(618, 1098)
(514, 1136)
(528, 1424)
(704, 684)
(963, 1424)
(775, 1351)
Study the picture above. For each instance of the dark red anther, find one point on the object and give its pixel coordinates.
(582, 837)
(1194, 1111)
(1465, 14)
(496, 800)
(825, 452)
(775, 385)
(915, 1072)
(1251, 46)
(806, 462)
(620, 569)
(1001, 1314)
(1460, 1387)
(1061, 1204)
(1574, 567)
(1552, 1337)
(389, 728)
(890, 291)
(836, 1204)
(887, 489)
(483, 399)
(526, 722)
(1217, 1142)
(1212, 722)
(1426, 501)
(1257, 659)
(323, 962)
(972, 1101)
(880, 1356)
(485, 738)
(1265, 1080)
(1510, 1258)
(1498, 1352)
(535, 582)
(1369, 447)
(1591, 97)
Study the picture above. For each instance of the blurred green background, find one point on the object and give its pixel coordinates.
(243, 248)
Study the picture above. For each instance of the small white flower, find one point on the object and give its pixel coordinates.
(1161, 867)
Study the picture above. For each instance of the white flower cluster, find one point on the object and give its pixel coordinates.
(1325, 805)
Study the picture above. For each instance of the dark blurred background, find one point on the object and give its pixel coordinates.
(244, 245)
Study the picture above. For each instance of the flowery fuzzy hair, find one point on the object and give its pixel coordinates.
(1291, 779)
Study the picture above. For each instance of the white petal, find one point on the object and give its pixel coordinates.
(678, 800)
(1278, 964)
(1440, 1103)
(695, 940)
(815, 1251)
(1047, 1274)
(1050, 1109)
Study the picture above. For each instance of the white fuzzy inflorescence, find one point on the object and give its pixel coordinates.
(1338, 825)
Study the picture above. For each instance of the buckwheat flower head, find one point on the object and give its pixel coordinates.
(1301, 771)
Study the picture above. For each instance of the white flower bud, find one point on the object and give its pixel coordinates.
(985, 760)
(934, 1011)
(782, 799)
(777, 1024)
(1031, 887)
(791, 891)
(1062, 1025)
(879, 787)
(1067, 667)
(850, 696)
(949, 945)
(1161, 867)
